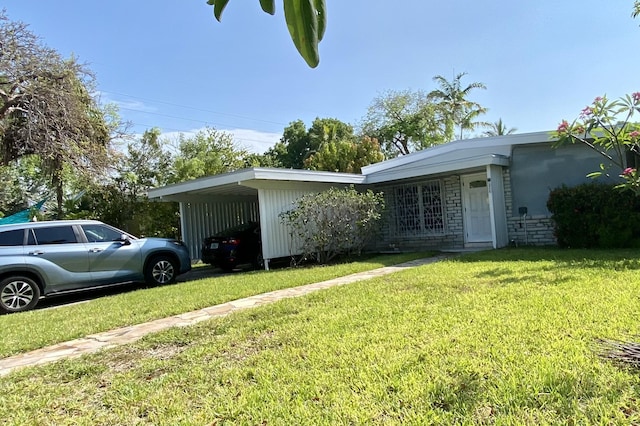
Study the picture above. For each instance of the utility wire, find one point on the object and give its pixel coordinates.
(190, 107)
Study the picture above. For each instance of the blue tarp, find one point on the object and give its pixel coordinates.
(21, 216)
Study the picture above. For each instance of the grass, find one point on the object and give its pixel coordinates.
(35, 329)
(502, 337)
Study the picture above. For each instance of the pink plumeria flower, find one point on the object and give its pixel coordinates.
(628, 171)
(636, 96)
(634, 134)
(587, 111)
(598, 99)
(563, 126)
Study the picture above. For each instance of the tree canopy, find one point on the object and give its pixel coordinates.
(460, 111)
(329, 144)
(346, 155)
(405, 121)
(47, 108)
(298, 143)
(208, 152)
(498, 128)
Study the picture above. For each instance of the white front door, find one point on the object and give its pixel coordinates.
(477, 215)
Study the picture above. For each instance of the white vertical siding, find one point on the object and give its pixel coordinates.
(498, 206)
(202, 219)
(276, 241)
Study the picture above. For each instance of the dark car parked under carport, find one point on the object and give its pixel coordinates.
(234, 246)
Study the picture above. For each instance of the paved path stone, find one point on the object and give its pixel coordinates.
(120, 336)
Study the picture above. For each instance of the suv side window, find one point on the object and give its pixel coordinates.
(12, 238)
(100, 233)
(55, 235)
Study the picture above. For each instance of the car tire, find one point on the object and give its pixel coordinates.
(160, 270)
(18, 294)
(258, 262)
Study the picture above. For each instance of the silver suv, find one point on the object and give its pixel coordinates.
(49, 258)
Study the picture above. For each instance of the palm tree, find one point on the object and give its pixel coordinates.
(499, 129)
(460, 111)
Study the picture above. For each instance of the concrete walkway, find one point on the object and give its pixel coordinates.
(124, 335)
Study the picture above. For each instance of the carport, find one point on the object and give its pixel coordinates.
(214, 203)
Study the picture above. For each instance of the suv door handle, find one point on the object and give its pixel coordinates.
(36, 252)
(95, 250)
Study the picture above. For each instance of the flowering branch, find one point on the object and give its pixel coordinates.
(599, 127)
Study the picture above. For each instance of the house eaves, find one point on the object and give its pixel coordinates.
(436, 166)
(244, 182)
(498, 145)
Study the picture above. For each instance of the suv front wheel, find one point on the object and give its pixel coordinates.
(160, 270)
(18, 294)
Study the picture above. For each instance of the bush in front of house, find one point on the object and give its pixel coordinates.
(595, 215)
(334, 222)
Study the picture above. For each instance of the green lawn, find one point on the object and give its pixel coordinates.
(504, 337)
(35, 329)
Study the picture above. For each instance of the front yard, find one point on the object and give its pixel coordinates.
(504, 337)
(35, 329)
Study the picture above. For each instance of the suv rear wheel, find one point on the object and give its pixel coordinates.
(18, 294)
(160, 270)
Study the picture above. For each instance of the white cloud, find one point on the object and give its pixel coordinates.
(135, 106)
(252, 140)
(131, 105)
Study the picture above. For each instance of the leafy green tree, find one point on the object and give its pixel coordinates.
(498, 128)
(405, 121)
(346, 155)
(461, 113)
(46, 108)
(306, 21)
(294, 146)
(122, 199)
(334, 222)
(261, 160)
(298, 144)
(208, 152)
(22, 183)
(327, 130)
(147, 164)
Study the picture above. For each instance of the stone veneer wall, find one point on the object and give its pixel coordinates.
(453, 236)
(539, 228)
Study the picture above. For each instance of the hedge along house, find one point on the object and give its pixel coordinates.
(483, 192)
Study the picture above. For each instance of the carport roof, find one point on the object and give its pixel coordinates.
(244, 182)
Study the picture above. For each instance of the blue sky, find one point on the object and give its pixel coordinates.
(169, 64)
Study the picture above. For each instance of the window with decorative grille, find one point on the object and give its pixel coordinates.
(418, 208)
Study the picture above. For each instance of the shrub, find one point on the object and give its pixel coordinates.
(595, 215)
(334, 222)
